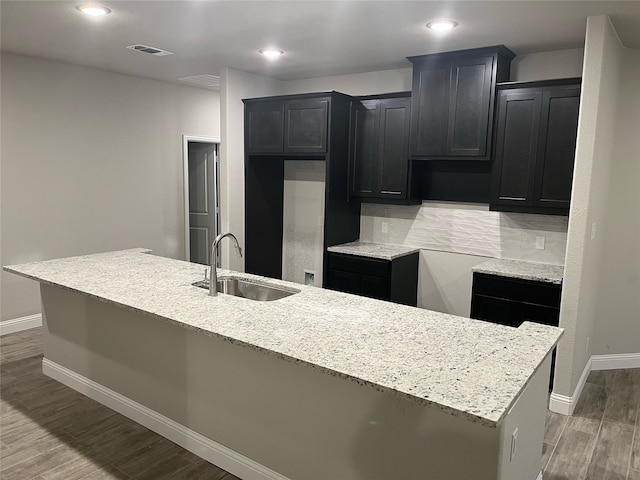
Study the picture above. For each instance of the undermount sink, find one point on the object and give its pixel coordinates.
(249, 289)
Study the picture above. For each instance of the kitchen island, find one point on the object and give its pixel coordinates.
(317, 385)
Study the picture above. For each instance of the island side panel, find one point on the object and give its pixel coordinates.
(527, 415)
(297, 420)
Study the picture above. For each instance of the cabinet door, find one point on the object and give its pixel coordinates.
(556, 148)
(305, 128)
(393, 153)
(470, 99)
(343, 281)
(264, 127)
(430, 94)
(374, 287)
(516, 144)
(364, 148)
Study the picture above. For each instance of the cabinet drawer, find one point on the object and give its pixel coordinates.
(528, 291)
(512, 313)
(363, 265)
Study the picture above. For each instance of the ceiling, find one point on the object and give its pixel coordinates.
(320, 38)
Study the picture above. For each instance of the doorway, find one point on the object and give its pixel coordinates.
(202, 213)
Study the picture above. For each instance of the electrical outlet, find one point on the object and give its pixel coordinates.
(593, 231)
(586, 348)
(540, 243)
(514, 442)
(309, 277)
(385, 227)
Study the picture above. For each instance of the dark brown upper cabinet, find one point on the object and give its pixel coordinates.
(453, 96)
(286, 126)
(310, 126)
(305, 126)
(264, 127)
(379, 154)
(536, 129)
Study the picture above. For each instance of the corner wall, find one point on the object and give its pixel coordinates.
(583, 287)
(618, 312)
(91, 162)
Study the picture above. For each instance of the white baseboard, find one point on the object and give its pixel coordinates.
(539, 476)
(613, 362)
(19, 324)
(566, 405)
(216, 453)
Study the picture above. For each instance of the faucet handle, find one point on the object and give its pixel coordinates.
(206, 275)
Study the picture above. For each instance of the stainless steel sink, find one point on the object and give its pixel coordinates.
(249, 289)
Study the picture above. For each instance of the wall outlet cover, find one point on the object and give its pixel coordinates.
(385, 227)
(540, 242)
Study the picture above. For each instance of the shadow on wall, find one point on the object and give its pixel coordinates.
(406, 441)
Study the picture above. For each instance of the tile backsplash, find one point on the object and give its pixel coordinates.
(468, 229)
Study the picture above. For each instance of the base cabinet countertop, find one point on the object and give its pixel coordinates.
(300, 361)
(539, 272)
(384, 272)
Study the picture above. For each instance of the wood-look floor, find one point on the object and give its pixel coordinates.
(601, 440)
(48, 431)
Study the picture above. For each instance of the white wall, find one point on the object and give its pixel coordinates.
(91, 161)
(533, 66)
(235, 86)
(618, 307)
(584, 287)
(303, 220)
(369, 83)
(546, 65)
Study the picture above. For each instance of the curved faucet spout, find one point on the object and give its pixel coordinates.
(213, 278)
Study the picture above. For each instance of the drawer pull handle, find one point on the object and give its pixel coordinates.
(390, 192)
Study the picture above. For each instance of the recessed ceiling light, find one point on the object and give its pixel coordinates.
(442, 25)
(271, 53)
(94, 10)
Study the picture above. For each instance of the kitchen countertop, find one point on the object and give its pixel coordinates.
(462, 366)
(541, 272)
(373, 250)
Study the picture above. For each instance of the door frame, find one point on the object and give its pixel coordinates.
(186, 139)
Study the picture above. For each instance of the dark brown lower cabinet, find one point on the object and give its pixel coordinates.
(512, 301)
(393, 280)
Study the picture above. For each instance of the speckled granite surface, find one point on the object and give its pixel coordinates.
(541, 272)
(373, 250)
(462, 366)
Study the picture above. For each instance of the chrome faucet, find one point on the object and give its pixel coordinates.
(213, 278)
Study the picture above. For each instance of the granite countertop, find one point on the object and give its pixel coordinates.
(541, 272)
(373, 250)
(465, 367)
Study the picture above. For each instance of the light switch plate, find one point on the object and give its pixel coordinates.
(593, 231)
(540, 242)
(385, 227)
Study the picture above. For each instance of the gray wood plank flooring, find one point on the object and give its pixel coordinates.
(601, 440)
(50, 432)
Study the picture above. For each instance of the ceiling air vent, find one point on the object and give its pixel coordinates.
(150, 50)
(204, 80)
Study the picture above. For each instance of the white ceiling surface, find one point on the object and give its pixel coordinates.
(320, 38)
